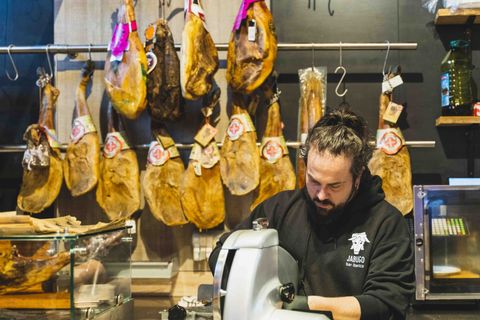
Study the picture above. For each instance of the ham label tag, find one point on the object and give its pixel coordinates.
(273, 148)
(119, 43)
(81, 126)
(195, 7)
(242, 13)
(239, 124)
(114, 143)
(390, 140)
(252, 30)
(158, 155)
(205, 135)
(206, 157)
(393, 112)
(390, 84)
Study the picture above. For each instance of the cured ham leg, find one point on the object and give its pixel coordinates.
(312, 99)
(163, 82)
(163, 176)
(199, 57)
(240, 160)
(42, 164)
(201, 190)
(276, 169)
(118, 191)
(18, 273)
(391, 161)
(252, 50)
(82, 160)
(125, 70)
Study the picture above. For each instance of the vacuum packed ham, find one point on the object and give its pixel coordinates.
(252, 49)
(391, 159)
(42, 162)
(126, 66)
(276, 169)
(163, 79)
(81, 165)
(240, 159)
(199, 57)
(202, 190)
(163, 176)
(312, 104)
(118, 191)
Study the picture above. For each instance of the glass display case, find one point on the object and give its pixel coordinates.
(447, 242)
(66, 276)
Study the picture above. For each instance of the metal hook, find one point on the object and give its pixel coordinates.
(90, 51)
(386, 58)
(47, 48)
(330, 11)
(13, 65)
(344, 73)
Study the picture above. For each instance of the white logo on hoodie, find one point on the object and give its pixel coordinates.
(358, 241)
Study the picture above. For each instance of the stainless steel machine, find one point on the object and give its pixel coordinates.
(251, 267)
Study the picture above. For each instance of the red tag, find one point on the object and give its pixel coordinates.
(272, 151)
(112, 147)
(235, 129)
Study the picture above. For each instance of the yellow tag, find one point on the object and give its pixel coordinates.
(166, 141)
(393, 112)
(205, 135)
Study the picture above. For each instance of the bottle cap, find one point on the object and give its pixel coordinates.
(459, 44)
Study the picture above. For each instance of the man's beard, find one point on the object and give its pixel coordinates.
(335, 209)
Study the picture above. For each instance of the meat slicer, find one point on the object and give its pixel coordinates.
(250, 269)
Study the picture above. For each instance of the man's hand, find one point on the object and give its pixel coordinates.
(299, 303)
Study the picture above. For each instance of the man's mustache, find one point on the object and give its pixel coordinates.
(323, 202)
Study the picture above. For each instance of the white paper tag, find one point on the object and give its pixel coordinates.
(133, 226)
(303, 138)
(390, 84)
(252, 30)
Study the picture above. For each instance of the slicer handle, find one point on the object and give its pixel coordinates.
(287, 292)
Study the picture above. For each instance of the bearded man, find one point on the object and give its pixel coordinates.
(353, 248)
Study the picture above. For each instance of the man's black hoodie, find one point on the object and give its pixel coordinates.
(362, 251)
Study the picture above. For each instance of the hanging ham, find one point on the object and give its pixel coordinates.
(391, 160)
(312, 104)
(163, 176)
(163, 79)
(276, 169)
(240, 160)
(126, 66)
(42, 163)
(199, 57)
(81, 165)
(252, 49)
(118, 191)
(201, 190)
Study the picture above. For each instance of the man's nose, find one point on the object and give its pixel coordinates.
(322, 194)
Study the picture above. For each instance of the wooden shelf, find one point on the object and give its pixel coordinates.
(457, 121)
(461, 16)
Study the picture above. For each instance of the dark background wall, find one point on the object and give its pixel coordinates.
(21, 23)
(31, 23)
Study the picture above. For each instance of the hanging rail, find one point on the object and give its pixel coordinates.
(290, 144)
(64, 48)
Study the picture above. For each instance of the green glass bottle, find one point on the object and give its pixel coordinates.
(456, 73)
